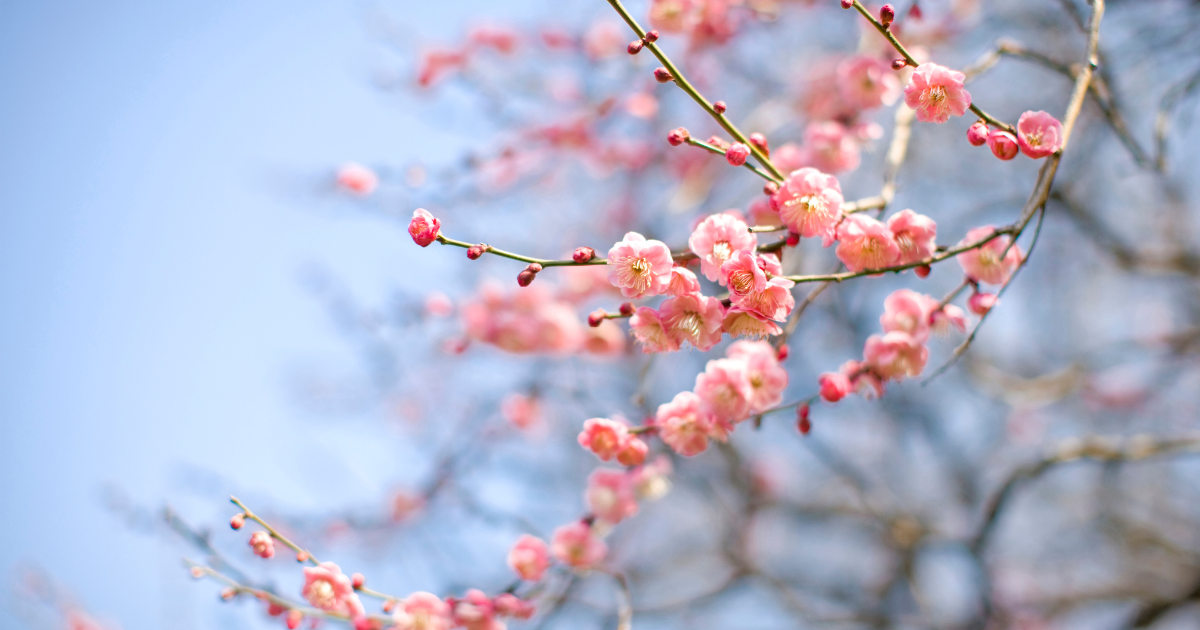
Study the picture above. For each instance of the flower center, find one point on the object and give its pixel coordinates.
(905, 241)
(690, 324)
(1034, 139)
(742, 282)
(636, 274)
(756, 381)
(721, 251)
(935, 95)
(321, 595)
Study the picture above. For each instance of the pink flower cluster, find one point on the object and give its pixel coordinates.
(900, 352)
(994, 262)
(610, 439)
(473, 611)
(706, 22)
(327, 588)
(1038, 135)
(536, 320)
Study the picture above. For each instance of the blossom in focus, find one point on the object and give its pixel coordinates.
(716, 239)
(988, 263)
(1039, 134)
(1002, 144)
(685, 423)
(422, 611)
(262, 544)
(529, 557)
(648, 328)
(610, 496)
(743, 275)
(577, 546)
(327, 588)
(937, 93)
(640, 268)
(695, 319)
(424, 227)
(865, 243)
(915, 234)
(810, 204)
(357, 179)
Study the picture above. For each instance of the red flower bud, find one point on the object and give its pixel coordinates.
(719, 107)
(770, 188)
(302, 556)
(981, 303)
(474, 252)
(357, 580)
(737, 153)
(662, 75)
(596, 317)
(651, 36)
(977, 134)
(914, 11)
(886, 15)
(793, 239)
(760, 141)
(583, 254)
(678, 136)
(294, 618)
(782, 353)
(627, 309)
(237, 521)
(846, 4)
(525, 278)
(635, 46)
(898, 64)
(923, 271)
(802, 421)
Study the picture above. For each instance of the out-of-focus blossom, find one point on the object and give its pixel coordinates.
(578, 546)
(685, 424)
(989, 263)
(357, 179)
(865, 243)
(529, 557)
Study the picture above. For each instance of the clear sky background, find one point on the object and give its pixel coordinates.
(165, 171)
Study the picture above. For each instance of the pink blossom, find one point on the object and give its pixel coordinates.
(641, 105)
(650, 481)
(743, 275)
(773, 302)
(576, 545)
(476, 611)
(761, 212)
(649, 329)
(529, 557)
(769, 263)
(263, 545)
(1002, 144)
(909, 312)
(357, 179)
(716, 239)
(740, 322)
(521, 411)
(510, 605)
(604, 437)
(834, 386)
(685, 423)
(915, 234)
(424, 227)
(862, 379)
(640, 268)
(977, 134)
(327, 588)
(981, 303)
(867, 82)
(605, 340)
(725, 387)
(984, 264)
(1039, 134)
(895, 355)
(766, 378)
(831, 147)
(438, 304)
(634, 452)
(949, 315)
(750, 289)
(937, 93)
(683, 282)
(610, 495)
(694, 319)
(810, 204)
(503, 40)
(422, 611)
(865, 243)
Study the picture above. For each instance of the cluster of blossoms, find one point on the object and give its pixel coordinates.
(537, 320)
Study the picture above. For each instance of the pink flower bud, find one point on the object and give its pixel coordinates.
(914, 11)
(1003, 144)
(719, 107)
(424, 227)
(651, 36)
(228, 594)
(635, 46)
(474, 252)
(634, 452)
(977, 134)
(678, 136)
(662, 75)
(760, 141)
(770, 188)
(357, 580)
(846, 4)
(237, 521)
(802, 421)
(596, 317)
(923, 271)
(886, 15)
(262, 545)
(898, 64)
(981, 303)
(716, 141)
(834, 386)
(389, 606)
(782, 353)
(525, 278)
(583, 254)
(627, 309)
(302, 556)
(197, 572)
(737, 153)
(294, 617)
(793, 239)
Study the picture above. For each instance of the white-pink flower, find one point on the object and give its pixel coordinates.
(683, 282)
(639, 267)
(327, 588)
(1039, 134)
(476, 611)
(740, 322)
(895, 355)
(750, 289)
(867, 82)
(577, 546)
(766, 377)
(604, 437)
(949, 316)
(865, 243)
(724, 386)
(694, 319)
(685, 424)
(424, 227)
(907, 311)
(810, 204)
(648, 328)
(716, 239)
(743, 275)
(422, 611)
(263, 545)
(610, 495)
(915, 234)
(529, 557)
(937, 93)
(989, 263)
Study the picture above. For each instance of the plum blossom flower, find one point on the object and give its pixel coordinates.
(831, 147)
(984, 264)
(915, 234)
(357, 179)
(749, 288)
(724, 386)
(424, 227)
(907, 311)
(327, 588)
(610, 496)
(834, 386)
(895, 355)
(422, 611)
(529, 557)
(740, 322)
(1039, 134)
(937, 93)
(263, 545)
(865, 243)
(604, 437)
(810, 204)
(577, 546)
(867, 82)
(650, 482)
(634, 452)
(716, 239)
(941, 321)
(476, 611)
(694, 319)
(863, 380)
(510, 605)
(683, 282)
(640, 268)
(685, 424)
(1003, 144)
(767, 379)
(981, 303)
(648, 327)
(606, 340)
(743, 275)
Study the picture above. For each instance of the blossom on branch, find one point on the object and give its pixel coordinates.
(937, 93)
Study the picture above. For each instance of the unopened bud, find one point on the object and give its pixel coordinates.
(662, 75)
(228, 594)
(981, 303)
(474, 252)
(237, 521)
(525, 278)
(719, 107)
(914, 11)
(737, 153)
(793, 239)
(1003, 144)
(197, 572)
(302, 556)
(357, 580)
(846, 4)
(898, 64)
(635, 47)
(596, 317)
(389, 606)
(782, 353)
(583, 254)
(802, 421)
(923, 271)
(770, 188)
(627, 309)
(534, 267)
(294, 617)
(651, 36)
(886, 15)
(760, 141)
(678, 136)
(977, 134)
